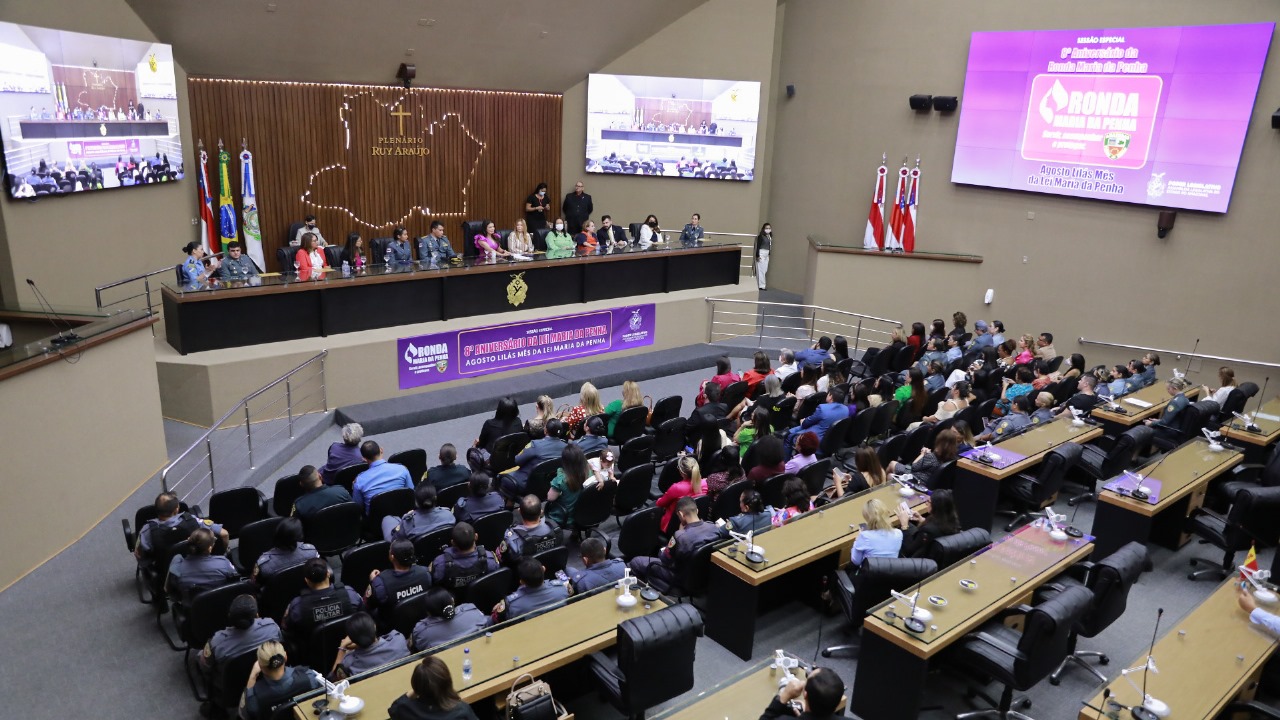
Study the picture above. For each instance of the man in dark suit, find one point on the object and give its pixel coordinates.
(708, 415)
(610, 234)
(577, 209)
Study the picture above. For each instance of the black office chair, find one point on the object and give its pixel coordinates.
(1020, 659)
(951, 549)
(490, 528)
(334, 529)
(861, 368)
(346, 477)
(781, 413)
(859, 588)
(1109, 580)
(669, 438)
(361, 560)
(652, 660)
(227, 683)
(630, 424)
(913, 442)
(540, 239)
(734, 393)
(284, 259)
(408, 613)
(321, 648)
(634, 229)
(287, 491)
(891, 449)
(470, 229)
(791, 382)
(833, 439)
(486, 591)
(333, 254)
(539, 482)
(449, 497)
(815, 475)
(903, 359)
(860, 429)
(426, 547)
(378, 250)
(639, 534)
(771, 490)
(806, 407)
(665, 409)
(553, 559)
(1251, 475)
(292, 233)
(1254, 517)
(204, 615)
(729, 502)
(414, 460)
(633, 490)
(1030, 495)
(236, 507)
(1190, 421)
(255, 539)
(279, 589)
(394, 503)
(883, 419)
(635, 451)
(594, 507)
(1099, 464)
(505, 450)
(148, 577)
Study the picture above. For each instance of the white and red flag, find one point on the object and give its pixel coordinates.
(873, 238)
(897, 217)
(909, 225)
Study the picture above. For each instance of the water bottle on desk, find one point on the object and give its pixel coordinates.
(466, 664)
(346, 269)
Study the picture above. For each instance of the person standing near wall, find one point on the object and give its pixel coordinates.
(764, 242)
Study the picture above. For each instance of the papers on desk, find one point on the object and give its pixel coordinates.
(519, 256)
(1140, 403)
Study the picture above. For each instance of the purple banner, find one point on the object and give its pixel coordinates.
(457, 355)
(89, 149)
(1141, 115)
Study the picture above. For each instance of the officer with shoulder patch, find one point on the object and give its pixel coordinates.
(598, 569)
(1044, 409)
(463, 561)
(535, 591)
(404, 580)
(245, 632)
(1010, 424)
(322, 599)
(362, 649)
(201, 569)
(1167, 423)
(424, 518)
(448, 472)
(668, 570)
(170, 526)
(532, 536)
(482, 500)
(286, 551)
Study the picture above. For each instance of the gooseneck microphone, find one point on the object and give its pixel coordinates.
(1149, 708)
(64, 337)
(1252, 425)
(1192, 355)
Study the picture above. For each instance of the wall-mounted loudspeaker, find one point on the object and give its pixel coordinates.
(791, 91)
(1164, 223)
(406, 73)
(945, 103)
(920, 103)
(1275, 120)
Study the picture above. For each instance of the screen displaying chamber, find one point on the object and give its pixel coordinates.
(82, 113)
(672, 127)
(1156, 116)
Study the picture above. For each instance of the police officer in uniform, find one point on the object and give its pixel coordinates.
(463, 561)
(245, 632)
(534, 592)
(668, 569)
(362, 649)
(322, 599)
(288, 550)
(272, 682)
(236, 265)
(200, 570)
(170, 526)
(1167, 424)
(424, 518)
(532, 536)
(445, 620)
(448, 472)
(1011, 423)
(482, 500)
(753, 518)
(595, 439)
(598, 568)
(404, 580)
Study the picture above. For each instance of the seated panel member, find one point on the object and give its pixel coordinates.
(586, 240)
(308, 226)
(355, 253)
(520, 241)
(558, 240)
(310, 260)
(692, 232)
(434, 247)
(237, 265)
(194, 271)
(399, 247)
(610, 234)
(489, 242)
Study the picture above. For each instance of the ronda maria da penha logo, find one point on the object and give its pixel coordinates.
(426, 355)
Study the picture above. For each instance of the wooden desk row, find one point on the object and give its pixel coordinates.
(536, 645)
(1154, 397)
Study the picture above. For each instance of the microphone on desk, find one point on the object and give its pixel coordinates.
(1106, 696)
(1189, 357)
(1250, 424)
(1141, 492)
(64, 337)
(1150, 708)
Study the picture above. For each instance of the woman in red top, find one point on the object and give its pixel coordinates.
(310, 260)
(690, 484)
(758, 373)
(724, 377)
(916, 338)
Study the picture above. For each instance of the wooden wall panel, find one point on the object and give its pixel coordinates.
(339, 152)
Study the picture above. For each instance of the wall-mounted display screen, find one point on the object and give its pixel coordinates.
(1155, 116)
(81, 113)
(672, 127)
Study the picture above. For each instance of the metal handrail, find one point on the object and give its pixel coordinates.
(146, 290)
(806, 307)
(207, 438)
(1178, 353)
(760, 318)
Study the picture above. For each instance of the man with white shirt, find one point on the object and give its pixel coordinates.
(786, 364)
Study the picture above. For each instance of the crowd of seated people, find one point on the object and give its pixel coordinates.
(747, 444)
(48, 178)
(103, 113)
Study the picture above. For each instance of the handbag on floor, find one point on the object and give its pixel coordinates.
(533, 701)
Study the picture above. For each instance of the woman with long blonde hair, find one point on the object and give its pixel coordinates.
(879, 538)
(631, 397)
(588, 406)
(520, 241)
(690, 484)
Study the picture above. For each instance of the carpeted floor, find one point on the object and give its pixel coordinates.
(80, 645)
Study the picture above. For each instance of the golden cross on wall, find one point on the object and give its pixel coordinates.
(400, 116)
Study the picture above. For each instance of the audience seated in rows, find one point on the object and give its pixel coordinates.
(446, 620)
(379, 478)
(463, 560)
(424, 518)
(287, 549)
(343, 453)
(404, 581)
(316, 496)
(668, 569)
